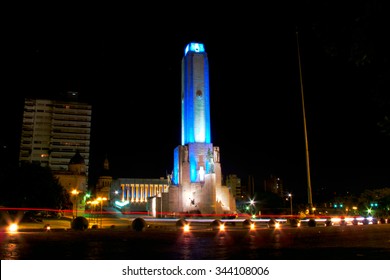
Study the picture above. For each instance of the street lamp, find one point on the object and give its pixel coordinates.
(75, 193)
(291, 210)
(101, 199)
(92, 214)
(252, 207)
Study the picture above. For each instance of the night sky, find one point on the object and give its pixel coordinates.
(126, 62)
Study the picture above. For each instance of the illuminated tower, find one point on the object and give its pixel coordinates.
(197, 170)
(195, 98)
(195, 114)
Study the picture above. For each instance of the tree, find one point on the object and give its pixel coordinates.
(33, 186)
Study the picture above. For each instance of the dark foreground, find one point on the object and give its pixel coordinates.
(368, 242)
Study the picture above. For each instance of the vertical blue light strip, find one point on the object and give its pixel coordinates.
(176, 158)
(195, 95)
(195, 106)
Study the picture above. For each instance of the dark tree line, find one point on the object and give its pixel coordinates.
(31, 185)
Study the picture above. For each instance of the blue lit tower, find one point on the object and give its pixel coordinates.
(195, 97)
(197, 170)
(196, 147)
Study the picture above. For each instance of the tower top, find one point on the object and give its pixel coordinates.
(194, 47)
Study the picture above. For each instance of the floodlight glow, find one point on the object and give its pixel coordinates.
(75, 192)
(121, 203)
(13, 227)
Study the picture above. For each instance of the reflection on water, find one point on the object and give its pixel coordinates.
(172, 245)
(276, 240)
(185, 243)
(216, 245)
(260, 244)
(191, 246)
(10, 246)
(251, 240)
(223, 244)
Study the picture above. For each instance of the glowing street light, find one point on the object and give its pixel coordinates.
(186, 228)
(13, 227)
(75, 193)
(252, 207)
(93, 215)
(101, 199)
